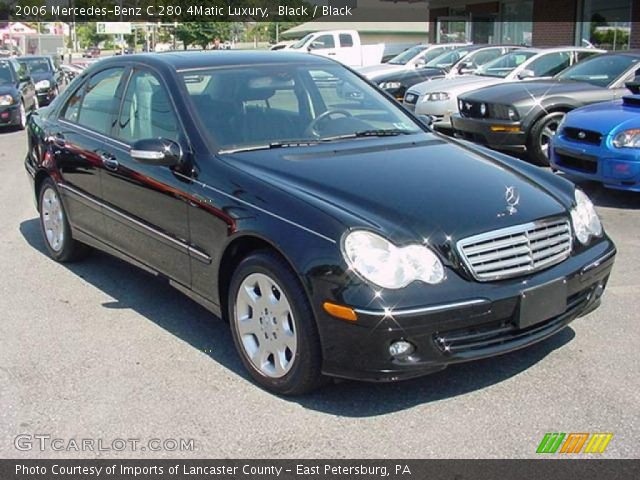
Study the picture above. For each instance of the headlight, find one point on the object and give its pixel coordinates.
(436, 97)
(42, 84)
(382, 263)
(6, 100)
(585, 219)
(513, 114)
(389, 85)
(627, 139)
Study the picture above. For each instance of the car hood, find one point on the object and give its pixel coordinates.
(455, 85)
(605, 117)
(7, 89)
(373, 71)
(414, 73)
(511, 92)
(41, 76)
(407, 189)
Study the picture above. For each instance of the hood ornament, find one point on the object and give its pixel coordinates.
(512, 197)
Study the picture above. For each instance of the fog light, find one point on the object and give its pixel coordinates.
(401, 348)
(599, 290)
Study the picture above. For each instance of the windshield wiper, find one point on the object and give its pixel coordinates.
(383, 132)
(269, 146)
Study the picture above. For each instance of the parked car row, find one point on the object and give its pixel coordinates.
(515, 99)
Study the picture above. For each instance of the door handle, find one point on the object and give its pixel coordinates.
(109, 162)
(58, 140)
(331, 53)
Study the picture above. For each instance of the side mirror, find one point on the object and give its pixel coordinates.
(634, 85)
(421, 62)
(466, 67)
(157, 151)
(427, 121)
(524, 74)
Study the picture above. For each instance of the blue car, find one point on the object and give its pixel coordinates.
(601, 142)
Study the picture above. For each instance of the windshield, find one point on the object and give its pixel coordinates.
(300, 43)
(503, 66)
(404, 57)
(448, 58)
(36, 65)
(6, 76)
(601, 71)
(281, 105)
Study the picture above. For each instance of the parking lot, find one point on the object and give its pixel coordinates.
(101, 350)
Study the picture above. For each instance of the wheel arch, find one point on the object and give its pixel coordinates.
(561, 107)
(237, 250)
(40, 177)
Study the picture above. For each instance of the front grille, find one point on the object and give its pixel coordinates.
(470, 109)
(584, 136)
(584, 163)
(518, 250)
(411, 98)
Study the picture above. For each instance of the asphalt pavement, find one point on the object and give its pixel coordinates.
(102, 351)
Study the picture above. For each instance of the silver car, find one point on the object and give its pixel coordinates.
(414, 57)
(439, 98)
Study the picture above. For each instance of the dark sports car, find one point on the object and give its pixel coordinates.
(339, 237)
(525, 115)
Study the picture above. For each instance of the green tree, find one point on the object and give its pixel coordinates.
(202, 33)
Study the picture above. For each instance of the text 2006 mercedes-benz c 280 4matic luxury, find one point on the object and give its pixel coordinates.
(336, 233)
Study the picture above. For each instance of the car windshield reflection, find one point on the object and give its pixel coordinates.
(259, 107)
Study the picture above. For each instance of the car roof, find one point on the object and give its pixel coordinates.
(187, 60)
(28, 57)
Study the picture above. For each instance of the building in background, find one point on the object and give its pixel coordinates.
(610, 24)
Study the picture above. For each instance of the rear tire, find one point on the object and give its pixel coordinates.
(540, 137)
(55, 226)
(273, 326)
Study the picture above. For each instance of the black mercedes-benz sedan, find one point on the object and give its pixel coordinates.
(524, 116)
(47, 76)
(338, 236)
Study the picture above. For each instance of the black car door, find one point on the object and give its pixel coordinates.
(25, 85)
(78, 142)
(146, 205)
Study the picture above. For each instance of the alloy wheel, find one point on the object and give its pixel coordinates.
(549, 131)
(52, 219)
(266, 325)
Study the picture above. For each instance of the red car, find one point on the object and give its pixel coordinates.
(91, 52)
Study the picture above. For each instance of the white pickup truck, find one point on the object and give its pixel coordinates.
(341, 45)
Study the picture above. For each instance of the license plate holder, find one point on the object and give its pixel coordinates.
(543, 302)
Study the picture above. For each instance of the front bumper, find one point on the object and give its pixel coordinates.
(481, 322)
(496, 134)
(46, 96)
(613, 167)
(10, 115)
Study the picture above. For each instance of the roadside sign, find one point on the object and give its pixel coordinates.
(113, 28)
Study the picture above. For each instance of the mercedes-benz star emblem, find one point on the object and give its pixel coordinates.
(512, 196)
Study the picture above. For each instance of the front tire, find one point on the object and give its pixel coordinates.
(22, 116)
(55, 226)
(542, 132)
(273, 326)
